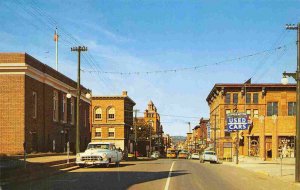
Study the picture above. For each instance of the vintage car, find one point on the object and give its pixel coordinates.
(209, 156)
(99, 153)
(183, 154)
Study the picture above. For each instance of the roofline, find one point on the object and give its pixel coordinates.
(113, 97)
(255, 85)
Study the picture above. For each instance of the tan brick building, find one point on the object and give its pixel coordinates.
(34, 108)
(272, 110)
(152, 118)
(112, 117)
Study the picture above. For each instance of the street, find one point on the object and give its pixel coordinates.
(185, 174)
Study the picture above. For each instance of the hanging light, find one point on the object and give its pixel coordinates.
(284, 80)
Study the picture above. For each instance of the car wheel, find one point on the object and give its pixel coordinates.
(81, 165)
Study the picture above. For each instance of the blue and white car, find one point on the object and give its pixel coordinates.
(99, 153)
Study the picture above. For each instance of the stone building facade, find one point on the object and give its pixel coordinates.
(271, 109)
(34, 110)
(112, 118)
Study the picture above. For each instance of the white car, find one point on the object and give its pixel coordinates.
(209, 156)
(195, 156)
(99, 153)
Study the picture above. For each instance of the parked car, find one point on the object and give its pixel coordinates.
(195, 156)
(183, 154)
(99, 153)
(154, 155)
(209, 156)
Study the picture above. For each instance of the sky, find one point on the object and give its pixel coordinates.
(170, 52)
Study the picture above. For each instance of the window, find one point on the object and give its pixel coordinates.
(111, 132)
(72, 111)
(248, 112)
(235, 98)
(227, 112)
(64, 108)
(248, 98)
(98, 114)
(272, 108)
(85, 118)
(255, 98)
(34, 105)
(98, 132)
(55, 106)
(111, 113)
(255, 113)
(291, 108)
(227, 98)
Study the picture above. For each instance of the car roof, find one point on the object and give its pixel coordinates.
(101, 143)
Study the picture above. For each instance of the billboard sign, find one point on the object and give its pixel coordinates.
(237, 121)
(208, 130)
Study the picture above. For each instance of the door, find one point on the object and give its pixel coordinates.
(268, 150)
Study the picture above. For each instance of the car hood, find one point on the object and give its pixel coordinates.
(95, 152)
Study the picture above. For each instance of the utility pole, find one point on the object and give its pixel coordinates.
(237, 139)
(296, 76)
(79, 49)
(135, 118)
(215, 134)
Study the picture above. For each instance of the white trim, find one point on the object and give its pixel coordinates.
(25, 69)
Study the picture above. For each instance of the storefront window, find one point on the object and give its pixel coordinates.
(254, 146)
(286, 146)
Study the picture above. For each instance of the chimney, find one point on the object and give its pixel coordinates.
(124, 93)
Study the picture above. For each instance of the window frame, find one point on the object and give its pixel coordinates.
(255, 97)
(34, 103)
(110, 114)
(55, 106)
(98, 130)
(227, 98)
(248, 98)
(294, 108)
(111, 130)
(95, 113)
(272, 108)
(235, 97)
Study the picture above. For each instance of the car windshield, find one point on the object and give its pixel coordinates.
(98, 146)
(210, 153)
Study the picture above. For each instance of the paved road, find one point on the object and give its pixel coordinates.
(156, 175)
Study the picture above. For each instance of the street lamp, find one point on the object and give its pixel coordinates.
(135, 139)
(61, 139)
(284, 80)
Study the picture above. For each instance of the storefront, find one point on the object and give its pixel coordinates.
(286, 146)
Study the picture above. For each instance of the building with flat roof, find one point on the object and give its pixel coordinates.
(271, 109)
(112, 118)
(34, 109)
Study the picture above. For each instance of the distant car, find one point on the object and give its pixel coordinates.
(209, 156)
(154, 155)
(195, 156)
(183, 154)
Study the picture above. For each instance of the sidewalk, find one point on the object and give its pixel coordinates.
(274, 168)
(13, 169)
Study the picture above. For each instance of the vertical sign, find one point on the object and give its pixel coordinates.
(208, 130)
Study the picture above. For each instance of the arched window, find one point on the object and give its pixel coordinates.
(111, 113)
(98, 113)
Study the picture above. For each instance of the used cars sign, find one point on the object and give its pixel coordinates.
(237, 121)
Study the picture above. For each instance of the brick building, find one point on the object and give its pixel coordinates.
(34, 108)
(152, 118)
(200, 134)
(272, 110)
(112, 118)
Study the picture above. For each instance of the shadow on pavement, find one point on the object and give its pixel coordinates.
(97, 180)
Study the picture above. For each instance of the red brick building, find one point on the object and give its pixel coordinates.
(34, 107)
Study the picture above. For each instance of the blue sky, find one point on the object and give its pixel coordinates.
(143, 36)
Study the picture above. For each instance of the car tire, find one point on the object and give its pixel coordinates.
(81, 165)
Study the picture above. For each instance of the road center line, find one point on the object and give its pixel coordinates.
(169, 176)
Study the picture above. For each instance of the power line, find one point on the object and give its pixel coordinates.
(188, 68)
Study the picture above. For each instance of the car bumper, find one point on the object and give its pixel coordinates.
(92, 162)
